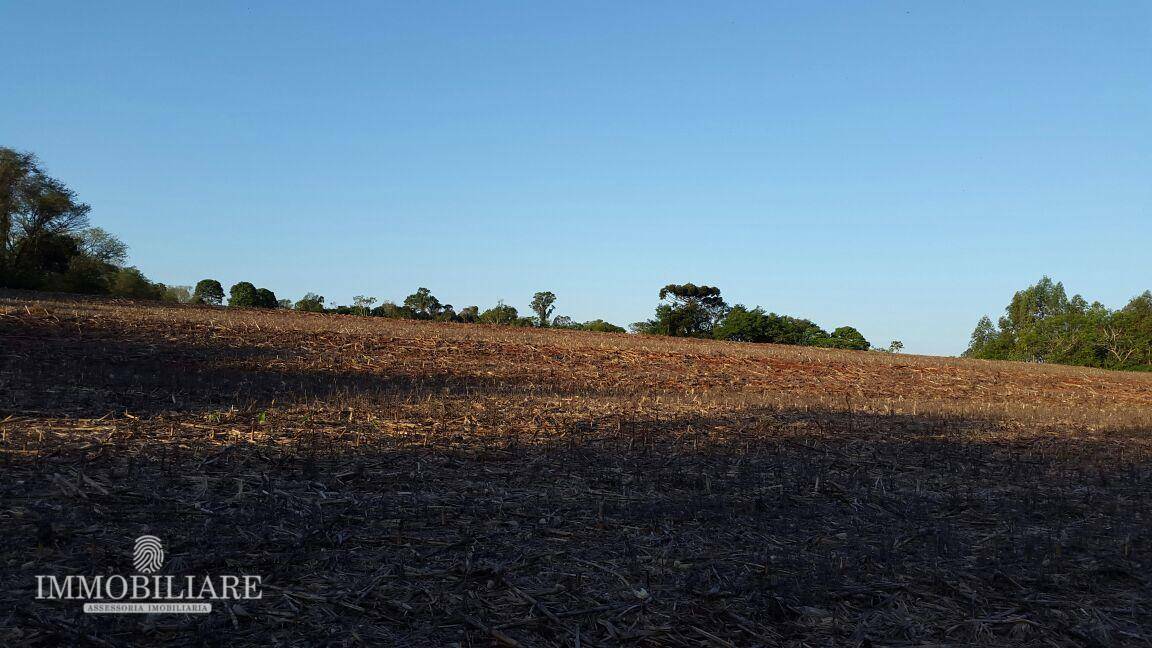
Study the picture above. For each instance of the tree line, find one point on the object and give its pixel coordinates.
(46, 243)
(1042, 324)
(688, 310)
(420, 305)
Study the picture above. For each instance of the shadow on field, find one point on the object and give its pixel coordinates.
(760, 527)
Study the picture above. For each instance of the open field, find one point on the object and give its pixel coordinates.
(409, 483)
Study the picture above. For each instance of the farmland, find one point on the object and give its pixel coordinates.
(413, 483)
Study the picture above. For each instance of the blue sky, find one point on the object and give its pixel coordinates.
(902, 167)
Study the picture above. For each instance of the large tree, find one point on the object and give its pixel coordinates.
(542, 305)
(38, 215)
(688, 311)
(501, 313)
(208, 291)
(311, 303)
(243, 294)
(423, 303)
(266, 298)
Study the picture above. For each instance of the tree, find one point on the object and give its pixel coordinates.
(983, 341)
(392, 311)
(243, 294)
(83, 275)
(311, 303)
(744, 325)
(177, 294)
(689, 311)
(266, 298)
(208, 291)
(16, 171)
(423, 304)
(847, 337)
(1041, 324)
(1033, 319)
(1127, 334)
(895, 346)
(131, 283)
(362, 305)
(542, 305)
(501, 313)
(39, 218)
(600, 326)
(469, 314)
(102, 246)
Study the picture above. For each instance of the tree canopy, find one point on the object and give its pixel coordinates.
(1042, 324)
(687, 310)
(542, 305)
(754, 325)
(208, 291)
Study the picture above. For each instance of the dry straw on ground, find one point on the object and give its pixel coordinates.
(402, 483)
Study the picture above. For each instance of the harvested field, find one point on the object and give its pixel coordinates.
(418, 484)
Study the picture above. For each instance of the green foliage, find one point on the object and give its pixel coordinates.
(469, 315)
(243, 294)
(744, 325)
(754, 325)
(311, 303)
(501, 313)
(45, 242)
(392, 311)
(266, 298)
(41, 223)
(208, 291)
(84, 275)
(542, 305)
(102, 246)
(362, 305)
(177, 294)
(600, 326)
(132, 284)
(423, 304)
(844, 337)
(595, 326)
(689, 311)
(1041, 324)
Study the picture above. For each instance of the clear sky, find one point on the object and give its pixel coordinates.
(899, 166)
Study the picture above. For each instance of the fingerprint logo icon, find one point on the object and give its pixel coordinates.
(149, 554)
